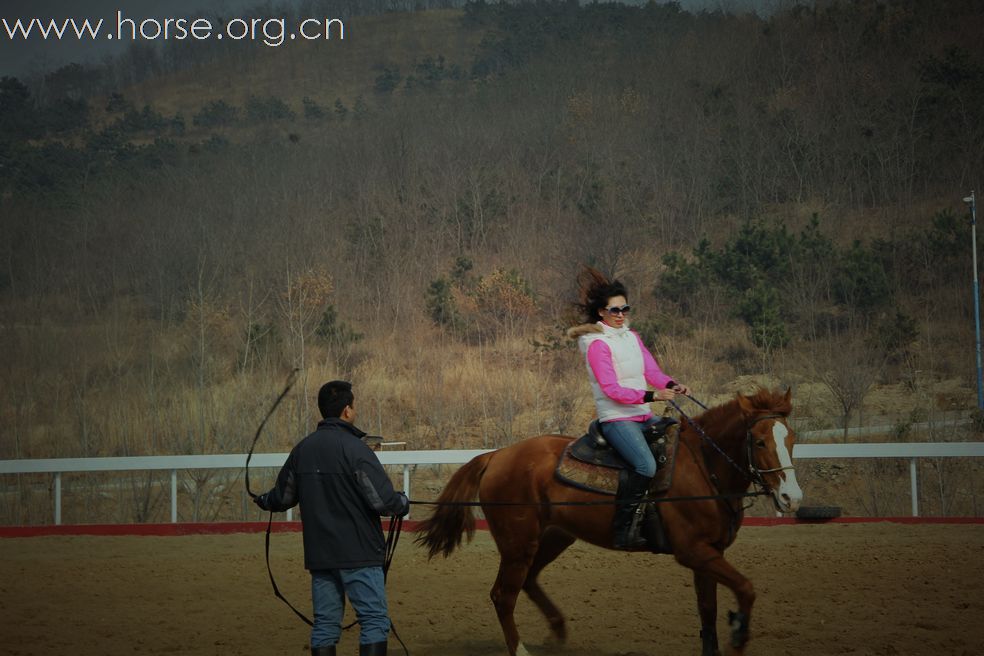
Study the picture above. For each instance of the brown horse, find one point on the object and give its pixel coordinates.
(743, 441)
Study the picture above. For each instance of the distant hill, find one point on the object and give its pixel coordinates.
(322, 71)
(411, 206)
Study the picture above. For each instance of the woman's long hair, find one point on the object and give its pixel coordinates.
(596, 289)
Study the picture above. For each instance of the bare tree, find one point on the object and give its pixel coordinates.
(849, 369)
(302, 304)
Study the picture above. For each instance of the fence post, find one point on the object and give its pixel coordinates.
(174, 496)
(406, 484)
(57, 498)
(915, 487)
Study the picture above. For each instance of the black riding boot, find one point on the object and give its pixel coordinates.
(375, 649)
(629, 496)
(323, 651)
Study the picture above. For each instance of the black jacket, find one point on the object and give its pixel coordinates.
(342, 489)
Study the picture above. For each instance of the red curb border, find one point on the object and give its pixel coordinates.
(224, 528)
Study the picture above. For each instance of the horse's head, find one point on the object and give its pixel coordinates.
(769, 442)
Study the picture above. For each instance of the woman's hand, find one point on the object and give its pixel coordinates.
(681, 389)
(664, 394)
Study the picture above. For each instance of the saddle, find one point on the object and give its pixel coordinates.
(590, 463)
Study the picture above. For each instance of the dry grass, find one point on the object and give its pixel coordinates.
(126, 386)
(122, 384)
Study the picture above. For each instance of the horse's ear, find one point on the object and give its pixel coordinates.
(745, 405)
(789, 394)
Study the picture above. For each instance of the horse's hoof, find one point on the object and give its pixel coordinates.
(739, 630)
(558, 627)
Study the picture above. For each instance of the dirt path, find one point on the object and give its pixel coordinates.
(878, 589)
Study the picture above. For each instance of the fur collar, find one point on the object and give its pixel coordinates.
(584, 329)
(598, 328)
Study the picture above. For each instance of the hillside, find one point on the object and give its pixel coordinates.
(323, 71)
(409, 208)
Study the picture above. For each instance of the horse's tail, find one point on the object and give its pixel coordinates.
(442, 531)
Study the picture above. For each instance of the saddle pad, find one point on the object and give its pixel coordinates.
(604, 480)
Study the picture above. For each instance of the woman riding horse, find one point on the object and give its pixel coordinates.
(534, 517)
(619, 368)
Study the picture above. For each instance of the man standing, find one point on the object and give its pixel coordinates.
(342, 489)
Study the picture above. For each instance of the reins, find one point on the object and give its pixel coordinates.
(706, 497)
(392, 538)
(753, 472)
(704, 436)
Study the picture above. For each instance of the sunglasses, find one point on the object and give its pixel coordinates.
(625, 309)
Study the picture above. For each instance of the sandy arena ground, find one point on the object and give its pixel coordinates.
(878, 589)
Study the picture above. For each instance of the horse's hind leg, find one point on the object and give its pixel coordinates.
(512, 573)
(553, 542)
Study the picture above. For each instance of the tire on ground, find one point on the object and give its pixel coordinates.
(818, 512)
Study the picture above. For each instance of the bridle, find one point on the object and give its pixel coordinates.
(753, 473)
(757, 474)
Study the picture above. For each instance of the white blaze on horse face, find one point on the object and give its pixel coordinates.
(789, 495)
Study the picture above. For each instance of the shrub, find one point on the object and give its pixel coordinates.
(336, 332)
(268, 109)
(388, 80)
(215, 114)
(312, 110)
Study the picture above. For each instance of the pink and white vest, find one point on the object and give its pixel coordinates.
(629, 366)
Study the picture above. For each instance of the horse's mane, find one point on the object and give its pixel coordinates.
(764, 401)
(770, 401)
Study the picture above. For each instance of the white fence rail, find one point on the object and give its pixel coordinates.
(407, 459)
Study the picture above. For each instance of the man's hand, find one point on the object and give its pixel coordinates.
(406, 505)
(261, 501)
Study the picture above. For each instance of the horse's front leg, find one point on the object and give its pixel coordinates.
(706, 588)
(709, 563)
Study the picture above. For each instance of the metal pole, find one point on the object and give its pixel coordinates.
(406, 483)
(174, 496)
(57, 498)
(977, 301)
(915, 487)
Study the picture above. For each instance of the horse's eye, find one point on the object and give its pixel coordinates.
(760, 444)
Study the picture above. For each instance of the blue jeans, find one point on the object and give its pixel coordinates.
(626, 437)
(365, 588)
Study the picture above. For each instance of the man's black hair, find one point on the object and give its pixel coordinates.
(333, 397)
